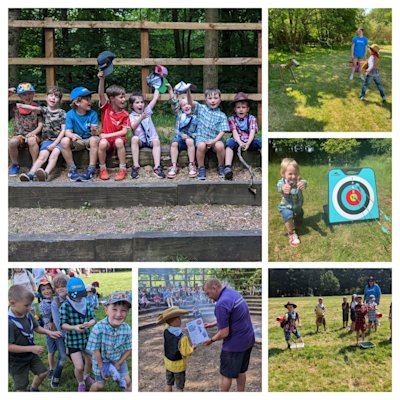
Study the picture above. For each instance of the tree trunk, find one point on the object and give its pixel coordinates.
(210, 72)
(177, 40)
(13, 46)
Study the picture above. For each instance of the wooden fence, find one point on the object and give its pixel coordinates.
(50, 61)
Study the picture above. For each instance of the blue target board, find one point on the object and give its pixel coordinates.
(352, 195)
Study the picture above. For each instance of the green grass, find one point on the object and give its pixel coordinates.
(361, 241)
(329, 362)
(324, 99)
(109, 282)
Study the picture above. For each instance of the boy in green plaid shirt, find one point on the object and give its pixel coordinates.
(111, 344)
(76, 318)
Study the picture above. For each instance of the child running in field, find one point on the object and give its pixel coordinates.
(360, 324)
(289, 325)
(291, 187)
(372, 310)
(345, 312)
(320, 314)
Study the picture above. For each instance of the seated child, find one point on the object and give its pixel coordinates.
(80, 133)
(211, 128)
(111, 344)
(27, 127)
(23, 354)
(360, 325)
(157, 300)
(291, 206)
(114, 127)
(289, 323)
(244, 128)
(52, 133)
(60, 287)
(345, 312)
(372, 72)
(76, 318)
(144, 133)
(320, 314)
(372, 310)
(185, 132)
(176, 348)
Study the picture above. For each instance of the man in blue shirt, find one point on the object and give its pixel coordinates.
(359, 47)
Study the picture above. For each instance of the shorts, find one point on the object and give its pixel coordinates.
(46, 143)
(143, 145)
(22, 140)
(295, 333)
(51, 344)
(211, 148)
(352, 315)
(182, 142)
(19, 370)
(123, 371)
(72, 350)
(255, 145)
(177, 378)
(111, 142)
(82, 144)
(234, 363)
(288, 214)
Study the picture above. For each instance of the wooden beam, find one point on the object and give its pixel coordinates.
(145, 54)
(49, 46)
(259, 80)
(229, 26)
(137, 61)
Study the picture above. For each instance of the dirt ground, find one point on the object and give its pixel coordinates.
(202, 367)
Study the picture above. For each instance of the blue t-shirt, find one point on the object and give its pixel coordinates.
(80, 124)
(359, 46)
(231, 311)
(375, 290)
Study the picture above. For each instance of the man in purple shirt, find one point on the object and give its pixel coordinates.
(236, 331)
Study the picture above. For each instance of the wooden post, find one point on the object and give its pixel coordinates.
(49, 47)
(144, 53)
(259, 80)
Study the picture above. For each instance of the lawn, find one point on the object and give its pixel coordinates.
(330, 361)
(109, 282)
(361, 241)
(324, 99)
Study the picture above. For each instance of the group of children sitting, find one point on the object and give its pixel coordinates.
(71, 329)
(48, 131)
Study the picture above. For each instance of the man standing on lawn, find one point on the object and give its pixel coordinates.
(235, 329)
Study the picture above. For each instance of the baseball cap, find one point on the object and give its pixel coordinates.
(80, 91)
(25, 87)
(76, 288)
(116, 297)
(104, 60)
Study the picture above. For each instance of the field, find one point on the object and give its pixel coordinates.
(109, 282)
(330, 361)
(362, 241)
(324, 99)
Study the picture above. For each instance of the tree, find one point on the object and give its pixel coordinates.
(210, 72)
(13, 46)
(329, 283)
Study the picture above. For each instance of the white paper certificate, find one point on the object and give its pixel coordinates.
(197, 332)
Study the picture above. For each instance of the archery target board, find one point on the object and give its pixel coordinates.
(352, 195)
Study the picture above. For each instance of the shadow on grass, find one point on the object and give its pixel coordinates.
(348, 349)
(345, 334)
(276, 351)
(387, 342)
(311, 223)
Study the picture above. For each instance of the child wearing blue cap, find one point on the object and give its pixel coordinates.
(111, 344)
(27, 127)
(76, 318)
(81, 133)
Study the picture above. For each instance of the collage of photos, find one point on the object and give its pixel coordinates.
(146, 253)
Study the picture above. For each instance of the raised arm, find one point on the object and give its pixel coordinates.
(154, 99)
(101, 89)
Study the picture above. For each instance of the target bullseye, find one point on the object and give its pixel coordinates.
(353, 197)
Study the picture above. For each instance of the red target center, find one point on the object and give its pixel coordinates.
(353, 197)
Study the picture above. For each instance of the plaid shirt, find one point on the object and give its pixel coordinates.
(211, 122)
(112, 342)
(293, 200)
(74, 339)
(251, 125)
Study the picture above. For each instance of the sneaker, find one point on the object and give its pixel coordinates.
(201, 173)
(192, 170)
(383, 101)
(89, 380)
(73, 175)
(26, 177)
(351, 77)
(104, 175)
(32, 389)
(220, 171)
(121, 174)
(81, 387)
(362, 77)
(42, 175)
(50, 373)
(135, 172)
(55, 383)
(228, 174)
(294, 240)
(88, 174)
(14, 170)
(158, 172)
(362, 98)
(172, 171)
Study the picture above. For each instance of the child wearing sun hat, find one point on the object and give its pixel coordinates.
(289, 324)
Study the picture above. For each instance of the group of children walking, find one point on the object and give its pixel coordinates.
(49, 131)
(71, 330)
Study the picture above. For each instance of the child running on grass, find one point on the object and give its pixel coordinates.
(289, 324)
(291, 187)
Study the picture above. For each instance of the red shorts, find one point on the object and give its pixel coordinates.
(111, 142)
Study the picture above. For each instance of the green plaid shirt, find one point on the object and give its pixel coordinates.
(74, 339)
